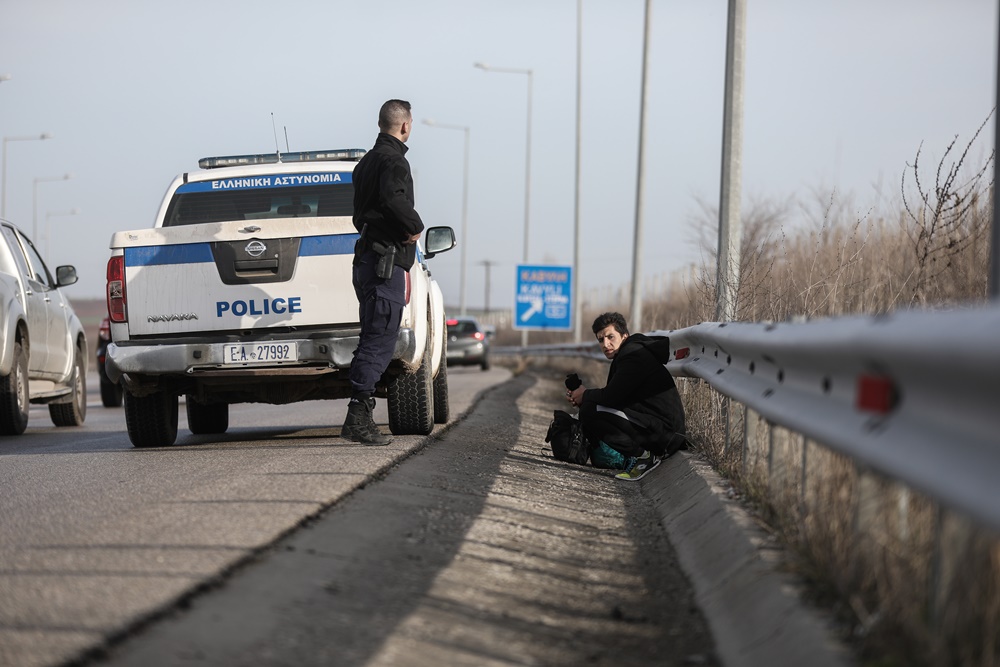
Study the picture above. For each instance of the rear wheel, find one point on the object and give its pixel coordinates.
(74, 411)
(207, 419)
(441, 407)
(14, 395)
(111, 393)
(152, 419)
(410, 399)
(485, 364)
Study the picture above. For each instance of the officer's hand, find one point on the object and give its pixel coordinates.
(576, 396)
(411, 240)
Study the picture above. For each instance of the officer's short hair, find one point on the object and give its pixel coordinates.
(611, 319)
(393, 114)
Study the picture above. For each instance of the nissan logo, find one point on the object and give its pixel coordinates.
(255, 248)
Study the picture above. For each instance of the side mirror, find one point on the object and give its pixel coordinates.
(438, 239)
(65, 275)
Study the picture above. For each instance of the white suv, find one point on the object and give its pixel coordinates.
(43, 356)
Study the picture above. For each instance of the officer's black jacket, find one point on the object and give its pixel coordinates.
(641, 386)
(383, 198)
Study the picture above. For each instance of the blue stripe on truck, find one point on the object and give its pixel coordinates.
(197, 253)
(184, 253)
(341, 244)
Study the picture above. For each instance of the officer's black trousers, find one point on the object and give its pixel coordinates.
(380, 309)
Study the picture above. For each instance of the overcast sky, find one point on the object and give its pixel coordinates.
(838, 95)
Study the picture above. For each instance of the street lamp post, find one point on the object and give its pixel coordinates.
(465, 208)
(49, 214)
(34, 199)
(3, 178)
(527, 162)
(486, 290)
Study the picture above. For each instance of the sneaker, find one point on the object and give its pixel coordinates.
(638, 467)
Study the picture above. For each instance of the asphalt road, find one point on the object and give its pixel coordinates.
(96, 535)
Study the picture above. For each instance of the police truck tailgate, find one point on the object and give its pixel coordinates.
(233, 276)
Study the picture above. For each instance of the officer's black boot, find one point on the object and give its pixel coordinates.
(359, 425)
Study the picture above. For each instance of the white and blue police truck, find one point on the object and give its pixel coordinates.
(242, 293)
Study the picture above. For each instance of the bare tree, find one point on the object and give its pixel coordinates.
(939, 223)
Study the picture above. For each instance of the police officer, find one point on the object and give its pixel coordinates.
(390, 227)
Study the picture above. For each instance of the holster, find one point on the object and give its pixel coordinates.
(386, 259)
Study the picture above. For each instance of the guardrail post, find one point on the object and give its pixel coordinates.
(744, 455)
(903, 511)
(803, 475)
(781, 480)
(727, 406)
(865, 510)
(771, 446)
(953, 537)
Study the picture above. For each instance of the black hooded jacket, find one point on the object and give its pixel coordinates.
(640, 386)
(383, 198)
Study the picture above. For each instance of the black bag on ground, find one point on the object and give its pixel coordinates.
(565, 435)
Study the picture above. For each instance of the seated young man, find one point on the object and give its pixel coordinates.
(637, 418)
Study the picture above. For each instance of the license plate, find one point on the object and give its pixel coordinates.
(260, 353)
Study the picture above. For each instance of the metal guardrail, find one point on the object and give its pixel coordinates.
(913, 395)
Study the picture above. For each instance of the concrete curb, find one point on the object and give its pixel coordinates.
(754, 611)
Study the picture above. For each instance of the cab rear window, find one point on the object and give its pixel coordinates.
(221, 205)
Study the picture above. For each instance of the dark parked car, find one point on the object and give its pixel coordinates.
(468, 344)
(111, 392)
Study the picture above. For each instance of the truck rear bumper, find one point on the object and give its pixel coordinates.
(207, 359)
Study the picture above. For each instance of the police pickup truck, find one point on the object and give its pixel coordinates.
(242, 293)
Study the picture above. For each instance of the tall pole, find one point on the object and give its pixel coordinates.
(465, 224)
(486, 296)
(464, 244)
(3, 169)
(527, 164)
(635, 315)
(994, 286)
(577, 314)
(527, 171)
(730, 227)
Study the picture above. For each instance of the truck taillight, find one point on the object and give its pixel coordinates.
(116, 289)
(408, 287)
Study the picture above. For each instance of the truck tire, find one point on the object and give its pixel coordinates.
(73, 411)
(14, 395)
(207, 419)
(441, 407)
(152, 419)
(111, 394)
(410, 399)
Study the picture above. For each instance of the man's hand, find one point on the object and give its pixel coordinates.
(412, 239)
(576, 396)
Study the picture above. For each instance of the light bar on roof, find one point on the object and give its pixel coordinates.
(339, 155)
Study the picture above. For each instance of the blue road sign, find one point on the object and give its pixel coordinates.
(543, 298)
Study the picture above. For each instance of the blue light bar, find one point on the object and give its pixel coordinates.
(339, 155)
